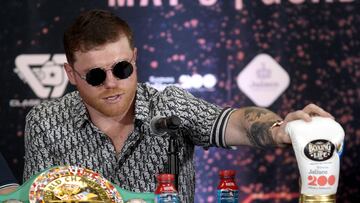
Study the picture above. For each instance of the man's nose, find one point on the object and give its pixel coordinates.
(110, 80)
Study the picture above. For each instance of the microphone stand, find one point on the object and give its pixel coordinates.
(173, 158)
(173, 124)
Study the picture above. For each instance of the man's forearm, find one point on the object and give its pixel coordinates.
(258, 124)
(251, 126)
(8, 188)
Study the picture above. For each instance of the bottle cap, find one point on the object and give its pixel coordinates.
(166, 177)
(317, 198)
(227, 173)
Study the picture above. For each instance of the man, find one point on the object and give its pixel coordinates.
(8, 182)
(105, 125)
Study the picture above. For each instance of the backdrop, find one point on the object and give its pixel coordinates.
(280, 54)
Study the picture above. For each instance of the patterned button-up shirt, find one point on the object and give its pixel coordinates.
(60, 132)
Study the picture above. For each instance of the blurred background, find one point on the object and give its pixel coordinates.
(279, 54)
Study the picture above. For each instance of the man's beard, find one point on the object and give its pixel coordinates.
(107, 109)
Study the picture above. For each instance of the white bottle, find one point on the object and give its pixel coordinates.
(318, 146)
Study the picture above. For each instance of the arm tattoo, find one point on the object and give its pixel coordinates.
(253, 113)
(259, 133)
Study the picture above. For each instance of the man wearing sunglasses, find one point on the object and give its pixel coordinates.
(105, 124)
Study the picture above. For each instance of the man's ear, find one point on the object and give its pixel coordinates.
(135, 55)
(70, 73)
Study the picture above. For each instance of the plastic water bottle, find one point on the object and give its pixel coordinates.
(227, 190)
(166, 191)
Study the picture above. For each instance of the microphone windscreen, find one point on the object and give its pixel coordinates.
(154, 125)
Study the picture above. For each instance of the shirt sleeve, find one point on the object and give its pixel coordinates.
(37, 146)
(218, 130)
(6, 176)
(205, 122)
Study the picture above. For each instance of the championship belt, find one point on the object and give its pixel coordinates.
(73, 184)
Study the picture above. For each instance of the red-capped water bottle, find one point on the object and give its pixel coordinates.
(166, 191)
(227, 190)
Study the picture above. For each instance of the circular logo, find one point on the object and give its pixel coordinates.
(319, 150)
(72, 183)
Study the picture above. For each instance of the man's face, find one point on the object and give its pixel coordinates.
(115, 96)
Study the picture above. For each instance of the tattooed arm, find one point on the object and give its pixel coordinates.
(253, 125)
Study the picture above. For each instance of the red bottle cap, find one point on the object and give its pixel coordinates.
(227, 173)
(165, 177)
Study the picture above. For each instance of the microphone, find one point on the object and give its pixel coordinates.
(160, 125)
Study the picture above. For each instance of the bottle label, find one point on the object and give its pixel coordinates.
(227, 196)
(167, 198)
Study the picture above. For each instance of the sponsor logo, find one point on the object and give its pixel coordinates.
(238, 4)
(263, 80)
(43, 73)
(160, 83)
(194, 82)
(319, 150)
(197, 81)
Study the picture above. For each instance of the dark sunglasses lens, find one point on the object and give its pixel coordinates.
(123, 70)
(96, 76)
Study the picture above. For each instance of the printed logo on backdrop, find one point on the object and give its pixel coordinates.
(45, 75)
(238, 4)
(263, 80)
(193, 83)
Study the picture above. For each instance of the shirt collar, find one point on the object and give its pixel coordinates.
(80, 112)
(143, 102)
(142, 106)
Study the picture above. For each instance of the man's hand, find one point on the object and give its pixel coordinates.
(279, 134)
(254, 126)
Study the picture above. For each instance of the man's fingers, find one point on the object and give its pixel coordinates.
(307, 112)
(296, 115)
(314, 110)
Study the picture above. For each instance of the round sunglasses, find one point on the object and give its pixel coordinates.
(97, 76)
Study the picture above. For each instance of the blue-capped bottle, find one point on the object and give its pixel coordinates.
(166, 191)
(227, 190)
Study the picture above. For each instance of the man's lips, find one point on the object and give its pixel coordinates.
(113, 98)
